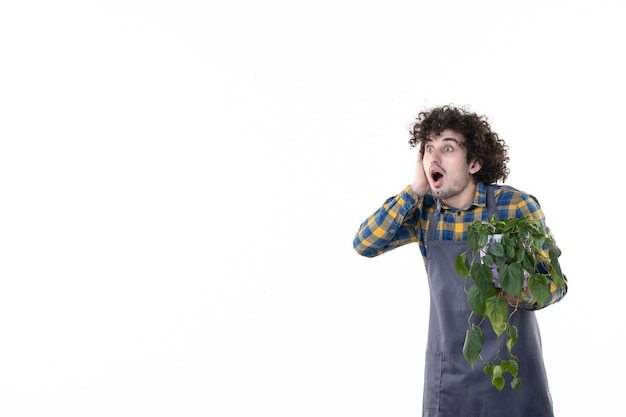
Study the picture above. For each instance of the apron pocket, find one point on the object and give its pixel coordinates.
(432, 380)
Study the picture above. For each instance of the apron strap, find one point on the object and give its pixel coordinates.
(491, 201)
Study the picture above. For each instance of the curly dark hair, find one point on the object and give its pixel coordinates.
(480, 142)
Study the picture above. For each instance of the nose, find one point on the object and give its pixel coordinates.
(434, 156)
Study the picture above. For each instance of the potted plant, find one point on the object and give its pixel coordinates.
(504, 256)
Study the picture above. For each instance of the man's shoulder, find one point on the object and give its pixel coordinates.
(508, 195)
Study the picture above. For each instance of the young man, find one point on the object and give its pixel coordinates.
(459, 163)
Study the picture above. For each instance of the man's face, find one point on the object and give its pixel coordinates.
(446, 167)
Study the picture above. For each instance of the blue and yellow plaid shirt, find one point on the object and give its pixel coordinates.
(405, 218)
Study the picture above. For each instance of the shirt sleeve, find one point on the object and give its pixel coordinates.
(389, 227)
(556, 294)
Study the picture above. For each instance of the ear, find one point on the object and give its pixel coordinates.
(475, 166)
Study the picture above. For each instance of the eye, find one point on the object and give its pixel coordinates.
(428, 148)
(448, 149)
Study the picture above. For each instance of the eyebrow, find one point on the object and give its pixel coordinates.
(446, 139)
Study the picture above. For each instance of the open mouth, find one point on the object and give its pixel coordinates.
(436, 175)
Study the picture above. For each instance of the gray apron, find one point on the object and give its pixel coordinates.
(452, 388)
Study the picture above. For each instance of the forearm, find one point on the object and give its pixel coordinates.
(390, 226)
(530, 207)
(556, 294)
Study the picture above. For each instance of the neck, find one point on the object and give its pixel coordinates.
(463, 199)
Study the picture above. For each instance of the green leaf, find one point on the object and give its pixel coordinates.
(511, 339)
(539, 286)
(497, 309)
(510, 224)
(496, 250)
(497, 371)
(520, 253)
(474, 339)
(529, 262)
(476, 300)
(513, 367)
(538, 242)
(556, 274)
(477, 241)
(482, 276)
(513, 333)
(516, 383)
(554, 250)
(512, 279)
(497, 382)
(460, 265)
(488, 369)
(488, 260)
(510, 250)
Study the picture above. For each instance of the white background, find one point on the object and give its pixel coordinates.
(181, 182)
